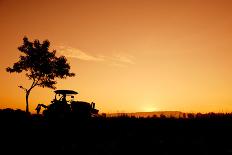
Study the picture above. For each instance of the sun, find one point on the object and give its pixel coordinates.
(149, 108)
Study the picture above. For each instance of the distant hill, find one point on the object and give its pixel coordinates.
(149, 114)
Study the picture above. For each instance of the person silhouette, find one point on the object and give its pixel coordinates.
(64, 98)
(38, 108)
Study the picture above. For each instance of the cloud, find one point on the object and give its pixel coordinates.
(123, 58)
(76, 53)
(119, 60)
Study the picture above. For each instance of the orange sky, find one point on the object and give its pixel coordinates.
(128, 55)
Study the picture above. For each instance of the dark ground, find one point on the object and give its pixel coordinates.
(33, 134)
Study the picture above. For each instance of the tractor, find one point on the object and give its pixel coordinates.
(61, 107)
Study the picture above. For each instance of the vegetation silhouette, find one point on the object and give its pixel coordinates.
(41, 66)
(198, 134)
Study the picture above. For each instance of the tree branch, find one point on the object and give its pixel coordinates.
(23, 88)
(35, 83)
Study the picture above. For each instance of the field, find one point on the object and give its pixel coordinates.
(200, 134)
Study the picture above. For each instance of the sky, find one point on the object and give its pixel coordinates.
(128, 55)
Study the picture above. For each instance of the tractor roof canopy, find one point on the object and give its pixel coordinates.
(67, 92)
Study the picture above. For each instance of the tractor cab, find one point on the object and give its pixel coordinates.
(64, 96)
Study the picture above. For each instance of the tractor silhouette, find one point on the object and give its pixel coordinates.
(61, 107)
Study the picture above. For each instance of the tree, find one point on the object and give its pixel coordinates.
(40, 65)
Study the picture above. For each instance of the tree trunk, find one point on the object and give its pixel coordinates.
(27, 102)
